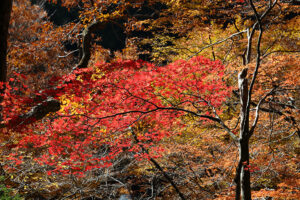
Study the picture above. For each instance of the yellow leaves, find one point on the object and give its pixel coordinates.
(101, 12)
(97, 76)
(123, 191)
(291, 29)
(72, 106)
(55, 185)
(37, 178)
(175, 3)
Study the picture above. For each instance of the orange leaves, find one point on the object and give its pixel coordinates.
(35, 44)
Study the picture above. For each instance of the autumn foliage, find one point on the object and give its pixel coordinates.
(141, 98)
(102, 104)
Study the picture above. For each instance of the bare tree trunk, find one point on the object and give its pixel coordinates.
(5, 10)
(242, 179)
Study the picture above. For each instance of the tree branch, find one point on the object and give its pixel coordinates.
(257, 112)
(36, 113)
(51, 105)
(218, 42)
(279, 51)
(86, 43)
(156, 164)
(258, 52)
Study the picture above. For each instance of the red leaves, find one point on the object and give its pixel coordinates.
(250, 168)
(104, 103)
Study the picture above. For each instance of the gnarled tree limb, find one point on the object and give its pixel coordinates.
(51, 105)
(37, 112)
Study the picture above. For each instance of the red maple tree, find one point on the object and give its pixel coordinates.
(125, 105)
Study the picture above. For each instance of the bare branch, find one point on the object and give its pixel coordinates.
(156, 164)
(251, 34)
(279, 51)
(257, 111)
(86, 43)
(69, 53)
(218, 42)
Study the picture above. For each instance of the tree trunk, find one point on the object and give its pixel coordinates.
(244, 173)
(5, 10)
(242, 179)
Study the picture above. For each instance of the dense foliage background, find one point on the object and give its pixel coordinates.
(141, 99)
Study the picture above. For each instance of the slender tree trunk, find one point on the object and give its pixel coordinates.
(244, 173)
(5, 10)
(242, 179)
